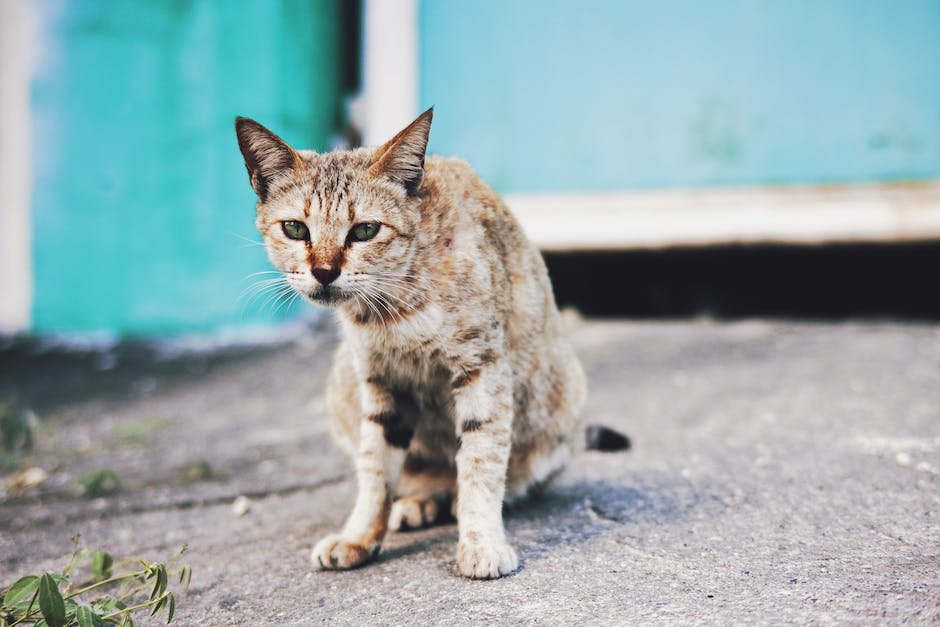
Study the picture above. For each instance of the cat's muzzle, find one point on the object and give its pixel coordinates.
(328, 296)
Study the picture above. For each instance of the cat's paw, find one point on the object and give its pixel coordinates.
(412, 513)
(486, 560)
(337, 553)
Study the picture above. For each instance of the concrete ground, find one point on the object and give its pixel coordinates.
(780, 472)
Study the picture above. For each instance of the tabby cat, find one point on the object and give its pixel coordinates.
(454, 386)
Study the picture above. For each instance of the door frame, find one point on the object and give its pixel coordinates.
(18, 47)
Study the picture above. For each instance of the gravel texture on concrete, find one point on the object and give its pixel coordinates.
(780, 472)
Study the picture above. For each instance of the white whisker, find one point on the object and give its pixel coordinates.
(405, 287)
(273, 294)
(283, 300)
(250, 241)
(254, 274)
(260, 287)
(363, 291)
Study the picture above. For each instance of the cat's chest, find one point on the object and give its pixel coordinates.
(412, 370)
(423, 332)
(412, 349)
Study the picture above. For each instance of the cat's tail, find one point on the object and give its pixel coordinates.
(599, 438)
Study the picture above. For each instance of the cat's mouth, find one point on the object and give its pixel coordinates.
(328, 295)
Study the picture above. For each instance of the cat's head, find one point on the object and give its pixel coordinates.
(340, 226)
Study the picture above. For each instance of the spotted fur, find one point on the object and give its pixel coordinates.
(454, 383)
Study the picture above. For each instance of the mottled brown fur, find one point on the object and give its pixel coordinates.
(451, 337)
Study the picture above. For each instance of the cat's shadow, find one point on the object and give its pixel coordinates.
(566, 514)
(593, 500)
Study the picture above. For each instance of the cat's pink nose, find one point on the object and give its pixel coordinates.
(325, 275)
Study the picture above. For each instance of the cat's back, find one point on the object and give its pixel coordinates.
(457, 197)
(450, 184)
(493, 258)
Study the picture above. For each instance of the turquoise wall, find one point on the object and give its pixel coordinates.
(547, 95)
(140, 191)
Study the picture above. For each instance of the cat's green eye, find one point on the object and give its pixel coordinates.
(364, 231)
(295, 230)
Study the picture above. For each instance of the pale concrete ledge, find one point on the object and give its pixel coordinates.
(739, 215)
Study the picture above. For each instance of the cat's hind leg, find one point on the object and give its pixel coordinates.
(426, 486)
(424, 495)
(533, 466)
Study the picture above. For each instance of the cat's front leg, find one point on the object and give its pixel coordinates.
(483, 412)
(383, 440)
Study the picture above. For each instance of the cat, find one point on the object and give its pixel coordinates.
(454, 383)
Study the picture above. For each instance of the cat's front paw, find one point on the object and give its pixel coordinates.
(412, 513)
(486, 560)
(337, 553)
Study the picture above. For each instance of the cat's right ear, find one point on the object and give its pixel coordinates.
(401, 159)
(267, 156)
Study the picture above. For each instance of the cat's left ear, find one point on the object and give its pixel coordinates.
(401, 158)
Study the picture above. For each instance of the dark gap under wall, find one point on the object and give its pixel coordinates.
(822, 282)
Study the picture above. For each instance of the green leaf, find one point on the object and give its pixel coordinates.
(160, 580)
(111, 605)
(107, 606)
(172, 608)
(158, 605)
(27, 605)
(87, 617)
(101, 565)
(51, 603)
(186, 574)
(189, 575)
(22, 589)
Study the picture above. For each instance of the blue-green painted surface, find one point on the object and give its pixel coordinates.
(140, 191)
(603, 94)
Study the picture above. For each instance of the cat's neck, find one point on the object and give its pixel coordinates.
(393, 304)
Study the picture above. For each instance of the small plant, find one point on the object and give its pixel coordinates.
(102, 598)
(140, 432)
(16, 435)
(199, 470)
(100, 482)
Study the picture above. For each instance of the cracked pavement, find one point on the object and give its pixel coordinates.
(780, 472)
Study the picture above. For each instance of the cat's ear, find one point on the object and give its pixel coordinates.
(401, 158)
(267, 156)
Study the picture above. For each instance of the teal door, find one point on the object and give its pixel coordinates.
(141, 202)
(555, 95)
